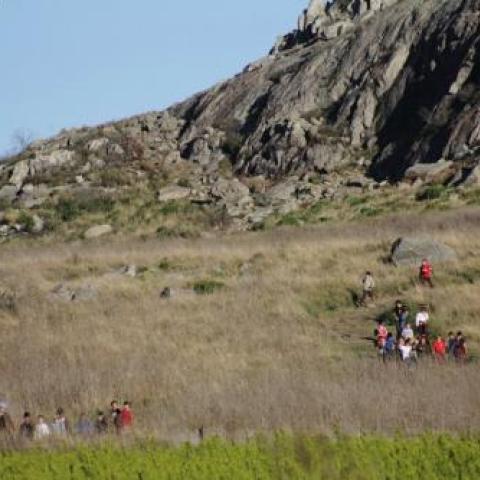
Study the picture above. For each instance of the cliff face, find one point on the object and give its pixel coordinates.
(397, 86)
(380, 85)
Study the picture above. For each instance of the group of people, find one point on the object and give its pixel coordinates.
(412, 343)
(425, 275)
(117, 420)
(413, 340)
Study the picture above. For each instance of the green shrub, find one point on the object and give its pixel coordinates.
(432, 192)
(26, 220)
(207, 287)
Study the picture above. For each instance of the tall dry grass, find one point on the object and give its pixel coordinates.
(280, 346)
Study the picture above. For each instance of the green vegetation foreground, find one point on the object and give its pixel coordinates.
(284, 457)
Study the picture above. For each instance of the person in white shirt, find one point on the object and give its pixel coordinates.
(405, 349)
(42, 430)
(422, 317)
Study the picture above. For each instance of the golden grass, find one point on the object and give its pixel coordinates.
(281, 345)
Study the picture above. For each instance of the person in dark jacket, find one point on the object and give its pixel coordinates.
(6, 423)
(27, 427)
(101, 423)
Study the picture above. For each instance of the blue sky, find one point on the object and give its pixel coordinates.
(69, 63)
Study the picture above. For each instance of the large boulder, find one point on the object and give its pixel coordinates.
(432, 173)
(411, 251)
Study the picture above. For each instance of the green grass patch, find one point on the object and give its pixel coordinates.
(430, 457)
(207, 287)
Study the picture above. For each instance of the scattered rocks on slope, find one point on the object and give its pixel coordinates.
(411, 251)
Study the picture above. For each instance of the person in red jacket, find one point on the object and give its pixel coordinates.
(439, 349)
(126, 416)
(426, 273)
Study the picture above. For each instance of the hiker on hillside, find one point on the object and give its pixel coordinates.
(460, 348)
(426, 273)
(60, 424)
(439, 348)
(407, 333)
(42, 430)
(6, 422)
(126, 416)
(27, 427)
(101, 423)
(368, 285)
(84, 425)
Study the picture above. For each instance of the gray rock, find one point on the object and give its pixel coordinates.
(98, 231)
(173, 192)
(20, 173)
(128, 271)
(69, 294)
(411, 251)
(8, 193)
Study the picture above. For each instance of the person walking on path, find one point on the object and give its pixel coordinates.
(426, 273)
(27, 427)
(368, 285)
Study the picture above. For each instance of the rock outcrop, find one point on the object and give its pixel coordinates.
(388, 87)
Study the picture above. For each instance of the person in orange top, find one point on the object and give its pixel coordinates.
(426, 273)
(439, 349)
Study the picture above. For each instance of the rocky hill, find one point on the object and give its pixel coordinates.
(360, 93)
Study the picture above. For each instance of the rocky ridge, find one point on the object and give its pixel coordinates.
(361, 93)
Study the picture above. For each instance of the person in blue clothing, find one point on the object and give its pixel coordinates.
(389, 348)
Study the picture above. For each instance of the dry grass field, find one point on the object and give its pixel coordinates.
(271, 339)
